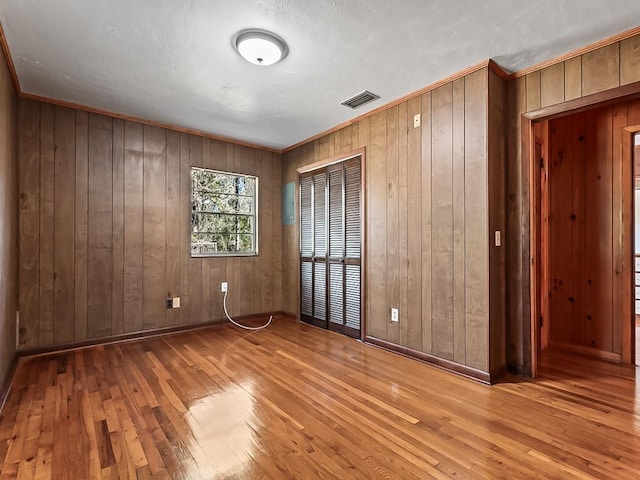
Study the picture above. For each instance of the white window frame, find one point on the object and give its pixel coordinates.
(254, 215)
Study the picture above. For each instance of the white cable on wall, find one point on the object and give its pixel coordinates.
(224, 304)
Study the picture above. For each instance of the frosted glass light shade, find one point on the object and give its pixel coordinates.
(260, 47)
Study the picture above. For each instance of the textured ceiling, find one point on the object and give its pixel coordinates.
(171, 61)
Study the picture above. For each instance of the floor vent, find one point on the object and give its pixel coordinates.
(360, 99)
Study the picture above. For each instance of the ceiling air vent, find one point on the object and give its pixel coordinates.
(360, 99)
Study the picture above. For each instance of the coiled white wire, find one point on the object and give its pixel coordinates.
(224, 304)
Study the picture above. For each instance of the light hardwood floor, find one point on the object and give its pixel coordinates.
(295, 401)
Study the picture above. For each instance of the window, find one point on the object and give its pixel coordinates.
(223, 213)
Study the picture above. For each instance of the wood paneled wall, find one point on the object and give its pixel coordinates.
(594, 72)
(8, 222)
(586, 190)
(434, 196)
(105, 228)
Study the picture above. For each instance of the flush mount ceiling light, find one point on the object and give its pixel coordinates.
(260, 47)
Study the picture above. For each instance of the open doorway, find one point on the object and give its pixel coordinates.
(581, 200)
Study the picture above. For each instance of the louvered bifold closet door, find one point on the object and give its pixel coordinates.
(353, 240)
(336, 247)
(313, 247)
(306, 246)
(320, 247)
(330, 244)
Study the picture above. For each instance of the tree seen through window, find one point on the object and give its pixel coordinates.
(223, 213)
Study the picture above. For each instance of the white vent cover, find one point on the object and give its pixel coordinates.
(360, 99)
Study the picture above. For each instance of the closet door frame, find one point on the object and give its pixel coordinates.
(360, 152)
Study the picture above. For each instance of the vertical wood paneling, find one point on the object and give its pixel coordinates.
(577, 219)
(267, 211)
(47, 172)
(81, 223)
(420, 336)
(601, 69)
(533, 91)
(195, 264)
(413, 331)
(515, 219)
(458, 183)
(630, 60)
(133, 223)
(496, 137)
(117, 294)
(252, 166)
(560, 227)
(552, 85)
(379, 307)
(100, 227)
(9, 219)
(442, 226)
(276, 235)
(172, 223)
(112, 198)
(573, 78)
(393, 206)
(321, 147)
(251, 295)
(206, 152)
(154, 235)
(476, 221)
(185, 228)
(403, 217)
(599, 228)
(621, 195)
(64, 227)
(29, 174)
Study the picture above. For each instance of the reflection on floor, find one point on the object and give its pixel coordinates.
(294, 401)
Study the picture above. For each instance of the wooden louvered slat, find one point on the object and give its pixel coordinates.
(352, 207)
(320, 291)
(306, 216)
(352, 300)
(320, 214)
(336, 213)
(336, 293)
(306, 286)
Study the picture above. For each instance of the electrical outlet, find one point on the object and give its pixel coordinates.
(395, 315)
(176, 302)
(223, 287)
(169, 303)
(416, 120)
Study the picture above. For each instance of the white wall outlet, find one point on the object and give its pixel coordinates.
(498, 238)
(176, 302)
(223, 287)
(395, 315)
(416, 120)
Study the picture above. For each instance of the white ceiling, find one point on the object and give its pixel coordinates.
(171, 61)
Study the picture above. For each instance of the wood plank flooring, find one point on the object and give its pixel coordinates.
(297, 402)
